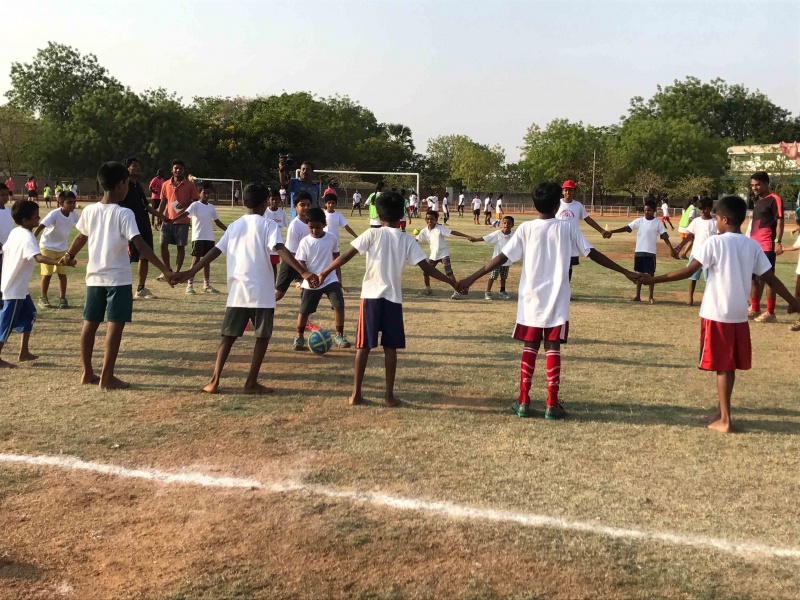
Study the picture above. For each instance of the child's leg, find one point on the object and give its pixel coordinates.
(771, 297)
(725, 381)
(390, 364)
(180, 254)
(448, 269)
(650, 297)
(206, 274)
(5, 364)
(489, 284)
(338, 319)
(108, 381)
(24, 352)
(225, 345)
(692, 286)
(426, 280)
(362, 354)
(45, 285)
(87, 348)
(526, 369)
(502, 282)
(190, 282)
(62, 285)
(553, 366)
(251, 386)
(638, 296)
(339, 277)
(301, 324)
(144, 267)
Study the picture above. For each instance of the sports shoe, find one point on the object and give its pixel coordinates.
(555, 412)
(145, 294)
(505, 295)
(752, 314)
(161, 277)
(299, 344)
(487, 295)
(341, 341)
(210, 290)
(766, 317)
(190, 291)
(455, 296)
(62, 303)
(311, 326)
(425, 292)
(795, 327)
(44, 303)
(522, 410)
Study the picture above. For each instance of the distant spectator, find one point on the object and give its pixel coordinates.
(156, 184)
(176, 196)
(305, 183)
(10, 185)
(33, 189)
(74, 188)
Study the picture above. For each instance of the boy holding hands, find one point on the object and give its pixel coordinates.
(435, 235)
(56, 225)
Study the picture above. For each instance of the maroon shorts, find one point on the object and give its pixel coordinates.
(724, 346)
(274, 259)
(524, 333)
(403, 224)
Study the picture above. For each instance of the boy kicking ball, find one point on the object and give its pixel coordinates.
(731, 259)
(546, 246)
(388, 250)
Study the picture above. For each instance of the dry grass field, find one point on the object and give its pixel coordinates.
(633, 454)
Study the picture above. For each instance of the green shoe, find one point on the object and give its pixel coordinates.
(555, 412)
(210, 290)
(62, 303)
(44, 303)
(522, 410)
(299, 344)
(190, 291)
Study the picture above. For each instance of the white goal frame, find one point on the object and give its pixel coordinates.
(233, 183)
(417, 191)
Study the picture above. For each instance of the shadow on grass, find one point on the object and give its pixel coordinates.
(10, 569)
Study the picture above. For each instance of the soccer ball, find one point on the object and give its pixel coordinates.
(320, 341)
(416, 232)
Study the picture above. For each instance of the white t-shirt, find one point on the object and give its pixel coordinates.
(436, 238)
(461, 199)
(203, 217)
(6, 224)
(297, 231)
(445, 203)
(433, 202)
(412, 201)
(356, 198)
(499, 206)
(335, 221)
(702, 229)
(498, 239)
(317, 253)
(647, 234)
(731, 260)
(57, 226)
(476, 203)
(74, 189)
(797, 245)
(572, 211)
(18, 263)
(109, 227)
(665, 209)
(247, 244)
(280, 218)
(487, 205)
(388, 250)
(546, 247)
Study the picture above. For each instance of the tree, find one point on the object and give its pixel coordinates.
(690, 186)
(57, 77)
(647, 184)
(400, 133)
(18, 134)
(476, 166)
(439, 167)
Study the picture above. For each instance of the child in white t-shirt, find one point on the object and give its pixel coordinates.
(334, 221)
(487, 209)
(435, 235)
(648, 230)
(275, 213)
(247, 244)
(731, 260)
(698, 231)
(476, 209)
(545, 246)
(498, 209)
(56, 226)
(572, 210)
(461, 201)
(17, 312)
(297, 230)
(315, 252)
(446, 207)
(388, 250)
(108, 227)
(665, 215)
(795, 248)
(204, 216)
(6, 222)
(498, 239)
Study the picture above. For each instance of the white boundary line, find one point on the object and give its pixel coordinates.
(447, 509)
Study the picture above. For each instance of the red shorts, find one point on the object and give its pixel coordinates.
(274, 259)
(664, 219)
(724, 346)
(683, 235)
(524, 333)
(403, 224)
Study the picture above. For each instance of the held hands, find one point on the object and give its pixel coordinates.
(462, 287)
(644, 279)
(606, 235)
(67, 262)
(180, 277)
(778, 249)
(674, 253)
(474, 239)
(312, 278)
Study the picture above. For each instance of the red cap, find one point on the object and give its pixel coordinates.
(568, 184)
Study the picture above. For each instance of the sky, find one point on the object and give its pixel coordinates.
(483, 69)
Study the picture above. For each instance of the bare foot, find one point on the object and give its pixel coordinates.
(391, 401)
(720, 425)
(257, 388)
(114, 383)
(27, 356)
(637, 299)
(652, 301)
(89, 378)
(212, 387)
(690, 303)
(345, 290)
(353, 400)
(4, 364)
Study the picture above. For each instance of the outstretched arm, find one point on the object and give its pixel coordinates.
(207, 259)
(77, 244)
(431, 271)
(221, 225)
(777, 285)
(342, 260)
(672, 252)
(466, 283)
(38, 230)
(689, 238)
(290, 260)
(349, 230)
(464, 235)
(41, 258)
(147, 253)
(593, 224)
(602, 260)
(625, 229)
(791, 151)
(157, 213)
(683, 273)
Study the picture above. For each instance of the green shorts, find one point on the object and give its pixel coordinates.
(116, 302)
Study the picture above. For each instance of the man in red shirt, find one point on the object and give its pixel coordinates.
(766, 228)
(10, 185)
(156, 183)
(176, 195)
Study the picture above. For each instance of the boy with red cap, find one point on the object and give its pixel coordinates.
(572, 210)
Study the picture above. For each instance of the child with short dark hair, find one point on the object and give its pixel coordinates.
(298, 229)
(56, 225)
(315, 252)
(731, 260)
(698, 231)
(336, 220)
(388, 250)
(498, 239)
(247, 243)
(275, 213)
(108, 227)
(435, 235)
(21, 255)
(648, 230)
(544, 290)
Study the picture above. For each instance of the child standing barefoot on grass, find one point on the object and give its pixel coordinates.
(545, 246)
(251, 286)
(388, 250)
(648, 230)
(55, 240)
(698, 232)
(21, 255)
(731, 259)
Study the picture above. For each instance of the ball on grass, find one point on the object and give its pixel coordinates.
(320, 341)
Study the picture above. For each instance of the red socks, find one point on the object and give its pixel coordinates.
(771, 306)
(526, 369)
(553, 363)
(755, 305)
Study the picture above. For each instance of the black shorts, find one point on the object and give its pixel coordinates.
(236, 318)
(309, 299)
(113, 304)
(147, 236)
(644, 262)
(33, 194)
(201, 247)
(286, 277)
(477, 212)
(379, 315)
(772, 257)
(175, 234)
(155, 203)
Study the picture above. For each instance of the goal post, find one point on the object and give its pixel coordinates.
(232, 184)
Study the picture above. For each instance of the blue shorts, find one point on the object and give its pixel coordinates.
(379, 315)
(17, 316)
(696, 276)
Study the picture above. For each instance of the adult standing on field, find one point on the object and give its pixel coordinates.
(766, 228)
(32, 187)
(305, 183)
(176, 195)
(156, 183)
(10, 185)
(356, 203)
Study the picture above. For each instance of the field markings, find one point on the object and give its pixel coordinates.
(448, 509)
